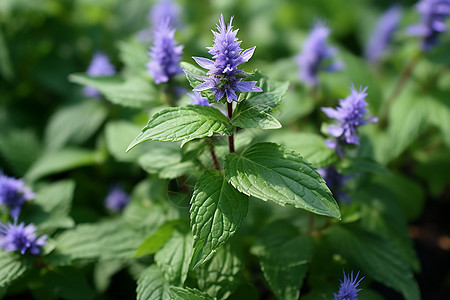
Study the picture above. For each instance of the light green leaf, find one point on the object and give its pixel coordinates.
(152, 285)
(119, 134)
(174, 256)
(184, 124)
(104, 272)
(271, 172)
(178, 293)
(284, 257)
(53, 162)
(254, 111)
(12, 266)
(134, 92)
(311, 146)
(376, 257)
(74, 124)
(157, 239)
(220, 276)
(189, 68)
(134, 56)
(217, 210)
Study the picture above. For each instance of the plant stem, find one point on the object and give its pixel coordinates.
(230, 137)
(213, 156)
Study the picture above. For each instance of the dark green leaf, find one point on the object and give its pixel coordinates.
(217, 210)
(152, 285)
(271, 172)
(184, 124)
(12, 266)
(68, 283)
(178, 293)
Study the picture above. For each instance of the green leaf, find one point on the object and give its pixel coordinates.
(311, 146)
(217, 210)
(51, 207)
(68, 283)
(376, 257)
(53, 162)
(134, 92)
(152, 285)
(134, 56)
(104, 272)
(174, 256)
(12, 266)
(220, 276)
(178, 293)
(271, 172)
(6, 69)
(157, 239)
(284, 257)
(254, 112)
(184, 124)
(119, 134)
(74, 124)
(360, 165)
(189, 68)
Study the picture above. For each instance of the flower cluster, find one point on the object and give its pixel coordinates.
(99, 66)
(348, 289)
(162, 10)
(225, 79)
(384, 29)
(315, 52)
(165, 54)
(117, 199)
(433, 15)
(13, 194)
(20, 238)
(350, 115)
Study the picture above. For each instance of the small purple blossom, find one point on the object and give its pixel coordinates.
(13, 194)
(196, 98)
(433, 15)
(165, 54)
(348, 289)
(117, 199)
(20, 238)
(99, 66)
(335, 182)
(163, 10)
(225, 79)
(382, 34)
(315, 52)
(350, 115)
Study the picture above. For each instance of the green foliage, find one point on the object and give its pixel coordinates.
(271, 172)
(12, 266)
(152, 285)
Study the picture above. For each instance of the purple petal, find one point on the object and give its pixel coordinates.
(209, 84)
(335, 130)
(247, 86)
(204, 62)
(247, 54)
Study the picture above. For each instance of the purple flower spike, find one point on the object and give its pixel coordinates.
(433, 15)
(99, 66)
(348, 289)
(13, 194)
(350, 115)
(20, 238)
(314, 53)
(165, 9)
(384, 29)
(198, 99)
(165, 54)
(225, 79)
(117, 199)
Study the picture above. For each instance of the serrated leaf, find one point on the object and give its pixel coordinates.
(174, 257)
(271, 172)
(157, 239)
(184, 124)
(53, 162)
(311, 146)
(152, 285)
(74, 124)
(217, 210)
(220, 276)
(134, 92)
(254, 112)
(178, 293)
(284, 257)
(12, 266)
(376, 257)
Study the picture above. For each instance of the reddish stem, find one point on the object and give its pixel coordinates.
(230, 137)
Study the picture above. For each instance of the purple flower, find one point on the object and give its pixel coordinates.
(198, 99)
(99, 66)
(117, 199)
(348, 289)
(335, 182)
(314, 53)
(433, 15)
(13, 193)
(162, 10)
(382, 34)
(20, 238)
(165, 54)
(350, 115)
(225, 79)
